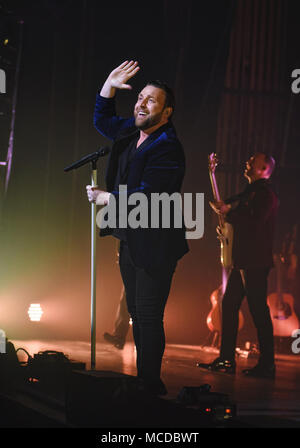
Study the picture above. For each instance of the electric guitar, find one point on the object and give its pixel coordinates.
(225, 230)
(225, 236)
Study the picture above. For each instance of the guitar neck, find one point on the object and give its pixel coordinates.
(216, 193)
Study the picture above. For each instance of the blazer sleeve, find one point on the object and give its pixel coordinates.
(106, 120)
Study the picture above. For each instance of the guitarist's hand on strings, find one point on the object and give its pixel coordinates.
(220, 207)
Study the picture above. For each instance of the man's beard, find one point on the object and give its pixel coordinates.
(148, 122)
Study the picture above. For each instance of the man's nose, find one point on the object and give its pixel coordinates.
(144, 102)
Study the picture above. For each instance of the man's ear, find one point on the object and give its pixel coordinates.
(168, 111)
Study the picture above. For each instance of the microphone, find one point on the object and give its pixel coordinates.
(103, 151)
(93, 157)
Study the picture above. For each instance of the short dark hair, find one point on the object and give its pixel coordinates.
(170, 97)
(269, 160)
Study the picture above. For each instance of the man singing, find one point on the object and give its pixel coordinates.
(253, 227)
(147, 157)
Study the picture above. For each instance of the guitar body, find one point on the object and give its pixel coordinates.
(281, 304)
(226, 240)
(214, 318)
(282, 313)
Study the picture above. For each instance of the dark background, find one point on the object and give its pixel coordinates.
(68, 49)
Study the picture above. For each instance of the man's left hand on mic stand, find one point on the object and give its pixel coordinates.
(97, 196)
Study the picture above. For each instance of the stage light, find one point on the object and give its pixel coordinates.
(5, 42)
(35, 312)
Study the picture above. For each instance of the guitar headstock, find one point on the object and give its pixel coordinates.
(212, 162)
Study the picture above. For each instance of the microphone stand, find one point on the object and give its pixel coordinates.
(93, 159)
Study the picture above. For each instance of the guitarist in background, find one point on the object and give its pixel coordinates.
(253, 222)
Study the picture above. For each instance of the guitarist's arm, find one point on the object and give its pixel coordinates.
(224, 207)
(220, 207)
(235, 198)
(260, 205)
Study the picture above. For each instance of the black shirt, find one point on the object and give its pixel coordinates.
(253, 223)
(121, 179)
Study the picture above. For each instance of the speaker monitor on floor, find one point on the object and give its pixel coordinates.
(102, 398)
(217, 406)
(9, 367)
(111, 399)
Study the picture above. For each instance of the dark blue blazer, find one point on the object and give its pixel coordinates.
(158, 166)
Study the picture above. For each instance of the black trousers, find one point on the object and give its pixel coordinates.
(121, 325)
(253, 284)
(146, 295)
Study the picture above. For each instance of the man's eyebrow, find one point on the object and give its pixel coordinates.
(149, 96)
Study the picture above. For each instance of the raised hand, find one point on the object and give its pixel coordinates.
(118, 78)
(120, 75)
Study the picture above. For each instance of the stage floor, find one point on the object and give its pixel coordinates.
(260, 402)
